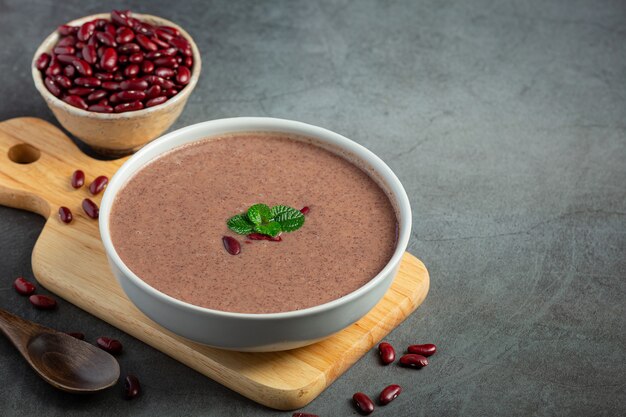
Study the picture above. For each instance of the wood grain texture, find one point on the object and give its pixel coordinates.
(69, 260)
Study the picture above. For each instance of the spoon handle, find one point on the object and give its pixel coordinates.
(18, 330)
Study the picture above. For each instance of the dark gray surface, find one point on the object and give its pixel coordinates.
(507, 124)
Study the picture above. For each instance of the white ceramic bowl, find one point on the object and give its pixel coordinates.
(256, 332)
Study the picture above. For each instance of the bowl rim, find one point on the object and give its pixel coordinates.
(229, 125)
(51, 40)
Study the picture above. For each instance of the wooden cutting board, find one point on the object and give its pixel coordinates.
(36, 162)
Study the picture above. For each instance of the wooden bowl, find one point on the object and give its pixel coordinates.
(117, 134)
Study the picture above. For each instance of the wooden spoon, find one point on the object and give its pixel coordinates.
(62, 360)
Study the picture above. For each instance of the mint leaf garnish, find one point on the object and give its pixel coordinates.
(271, 229)
(259, 213)
(289, 218)
(240, 224)
(261, 219)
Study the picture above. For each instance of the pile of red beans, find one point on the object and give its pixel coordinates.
(116, 65)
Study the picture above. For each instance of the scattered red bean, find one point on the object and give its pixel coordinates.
(76, 335)
(305, 210)
(78, 179)
(412, 360)
(389, 394)
(259, 236)
(132, 388)
(90, 208)
(363, 403)
(304, 415)
(231, 245)
(23, 286)
(113, 346)
(98, 185)
(65, 214)
(42, 61)
(43, 302)
(427, 349)
(387, 353)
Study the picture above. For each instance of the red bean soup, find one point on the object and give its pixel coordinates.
(169, 220)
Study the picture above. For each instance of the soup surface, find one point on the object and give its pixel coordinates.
(168, 221)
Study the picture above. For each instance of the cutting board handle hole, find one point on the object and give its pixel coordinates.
(23, 153)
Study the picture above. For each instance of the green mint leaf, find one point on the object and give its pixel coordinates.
(240, 224)
(289, 218)
(259, 213)
(271, 229)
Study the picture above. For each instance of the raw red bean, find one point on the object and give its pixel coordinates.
(124, 35)
(147, 67)
(100, 23)
(104, 76)
(111, 85)
(182, 45)
(75, 101)
(80, 91)
(67, 41)
(82, 67)
(65, 215)
(179, 59)
(156, 101)
(170, 51)
(109, 59)
(90, 208)
(92, 41)
(131, 71)
(183, 75)
(363, 403)
(90, 54)
(43, 302)
(80, 45)
(427, 349)
(86, 31)
(64, 50)
(159, 42)
(53, 69)
(172, 31)
(386, 352)
(122, 59)
(23, 286)
(143, 28)
(121, 17)
(111, 30)
(113, 346)
(76, 335)
(97, 95)
(106, 39)
(153, 92)
(136, 84)
(78, 179)
(304, 415)
(188, 61)
(170, 92)
(131, 106)
(166, 36)
(166, 84)
(69, 71)
(413, 360)
(100, 108)
(146, 43)
(66, 30)
(52, 87)
(63, 81)
(118, 76)
(166, 61)
(132, 388)
(87, 82)
(104, 102)
(136, 58)
(66, 59)
(259, 236)
(389, 394)
(129, 95)
(231, 245)
(305, 210)
(129, 48)
(42, 61)
(98, 185)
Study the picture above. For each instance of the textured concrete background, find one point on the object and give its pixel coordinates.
(506, 121)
